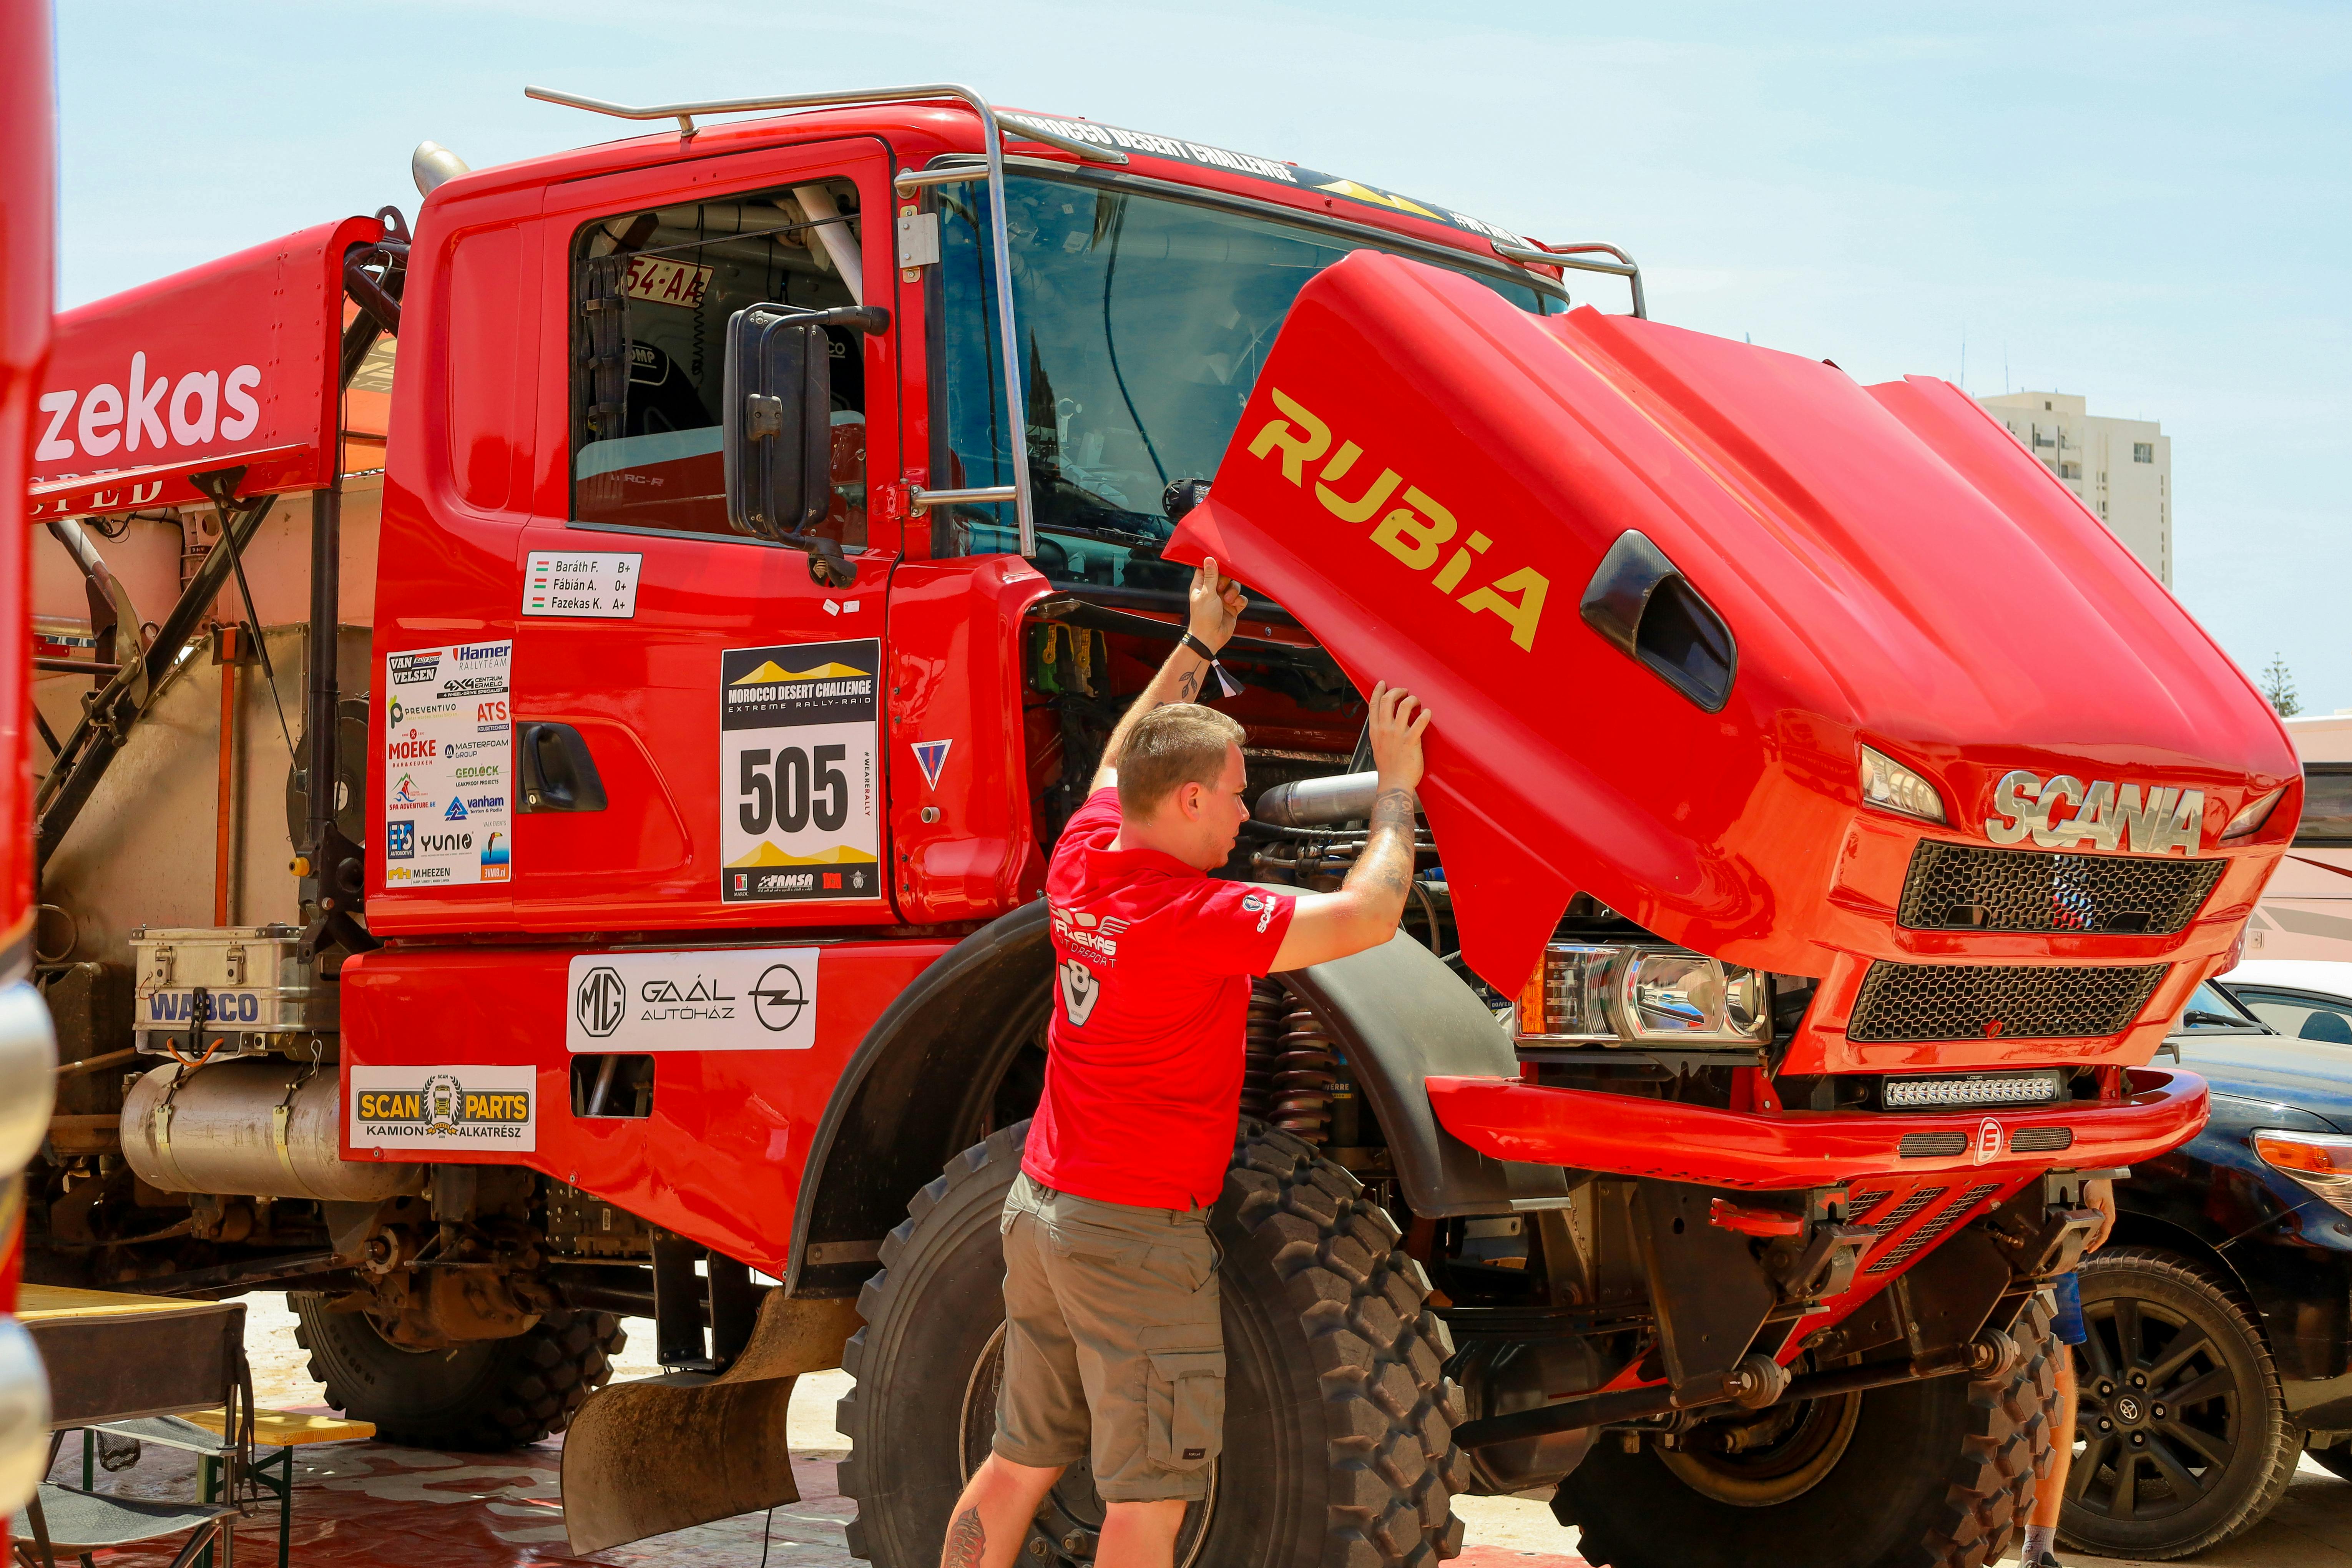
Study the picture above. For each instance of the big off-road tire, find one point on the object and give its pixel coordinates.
(2170, 1334)
(1937, 1474)
(1338, 1421)
(481, 1396)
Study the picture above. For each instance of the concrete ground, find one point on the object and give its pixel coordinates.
(377, 1506)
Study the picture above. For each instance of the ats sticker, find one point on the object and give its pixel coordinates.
(443, 1106)
(799, 732)
(729, 999)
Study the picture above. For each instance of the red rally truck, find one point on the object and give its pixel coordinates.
(726, 552)
(27, 1050)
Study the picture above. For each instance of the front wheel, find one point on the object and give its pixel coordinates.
(1338, 1423)
(1935, 1474)
(2181, 1434)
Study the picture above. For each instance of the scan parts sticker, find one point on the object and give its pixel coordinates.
(799, 732)
(482, 1107)
(729, 999)
(448, 752)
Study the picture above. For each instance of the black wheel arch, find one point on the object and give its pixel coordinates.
(914, 1092)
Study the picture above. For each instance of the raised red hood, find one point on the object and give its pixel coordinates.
(1893, 568)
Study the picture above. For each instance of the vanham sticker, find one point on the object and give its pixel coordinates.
(481, 1106)
(1416, 533)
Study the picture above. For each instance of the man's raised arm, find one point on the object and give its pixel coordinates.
(1365, 910)
(1216, 609)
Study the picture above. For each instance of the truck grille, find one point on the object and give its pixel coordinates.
(1953, 887)
(1911, 1246)
(1987, 1001)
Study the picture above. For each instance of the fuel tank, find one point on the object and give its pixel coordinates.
(1828, 679)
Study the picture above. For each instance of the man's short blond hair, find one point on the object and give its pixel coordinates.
(1170, 747)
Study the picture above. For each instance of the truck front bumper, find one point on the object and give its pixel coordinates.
(1623, 1135)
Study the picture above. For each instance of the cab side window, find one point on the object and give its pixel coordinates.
(652, 292)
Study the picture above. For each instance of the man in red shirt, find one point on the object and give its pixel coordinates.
(1113, 1350)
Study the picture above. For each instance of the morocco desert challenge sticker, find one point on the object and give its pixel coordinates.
(442, 1107)
(799, 728)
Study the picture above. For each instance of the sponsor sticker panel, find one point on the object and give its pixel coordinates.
(431, 1108)
(729, 999)
(448, 781)
(799, 737)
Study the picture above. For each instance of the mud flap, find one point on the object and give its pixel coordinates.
(663, 1453)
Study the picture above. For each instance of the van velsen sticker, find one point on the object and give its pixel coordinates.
(477, 1107)
(448, 752)
(729, 999)
(799, 727)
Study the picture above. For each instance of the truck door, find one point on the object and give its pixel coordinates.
(697, 715)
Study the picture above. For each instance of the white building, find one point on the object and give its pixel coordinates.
(2122, 468)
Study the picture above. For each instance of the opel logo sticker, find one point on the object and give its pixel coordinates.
(777, 999)
(600, 1001)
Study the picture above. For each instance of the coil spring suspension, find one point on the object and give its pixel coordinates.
(1291, 1069)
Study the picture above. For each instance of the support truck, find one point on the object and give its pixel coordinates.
(555, 718)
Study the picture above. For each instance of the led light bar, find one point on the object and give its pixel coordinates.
(1967, 1092)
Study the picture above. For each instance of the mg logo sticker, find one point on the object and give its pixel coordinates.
(599, 1001)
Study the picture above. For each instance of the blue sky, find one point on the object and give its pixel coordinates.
(2145, 204)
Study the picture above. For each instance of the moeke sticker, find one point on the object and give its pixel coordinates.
(478, 1106)
(799, 733)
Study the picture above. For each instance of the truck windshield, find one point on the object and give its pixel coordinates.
(1143, 324)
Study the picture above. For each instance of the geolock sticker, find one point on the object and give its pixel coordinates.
(478, 1106)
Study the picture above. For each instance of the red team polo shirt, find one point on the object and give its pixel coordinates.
(1143, 1069)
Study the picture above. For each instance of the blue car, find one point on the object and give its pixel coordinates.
(2221, 1313)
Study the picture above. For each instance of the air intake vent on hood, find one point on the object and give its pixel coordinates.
(1640, 603)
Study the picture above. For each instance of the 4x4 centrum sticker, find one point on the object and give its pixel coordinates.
(448, 807)
(799, 728)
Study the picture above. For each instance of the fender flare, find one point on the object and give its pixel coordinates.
(1397, 1012)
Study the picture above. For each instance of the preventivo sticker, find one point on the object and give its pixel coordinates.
(448, 780)
(443, 1106)
(799, 727)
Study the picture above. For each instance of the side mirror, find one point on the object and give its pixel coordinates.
(778, 417)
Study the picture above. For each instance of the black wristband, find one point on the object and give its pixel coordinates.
(1197, 646)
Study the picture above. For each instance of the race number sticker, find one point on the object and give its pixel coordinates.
(442, 1107)
(799, 727)
(448, 808)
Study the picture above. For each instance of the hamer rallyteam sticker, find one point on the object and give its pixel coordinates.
(799, 730)
(461, 1107)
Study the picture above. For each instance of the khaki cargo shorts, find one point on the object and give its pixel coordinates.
(1112, 1346)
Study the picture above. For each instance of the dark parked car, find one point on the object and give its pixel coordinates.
(2219, 1335)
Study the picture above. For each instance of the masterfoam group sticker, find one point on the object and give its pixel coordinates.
(448, 778)
(442, 1107)
(728, 999)
(799, 812)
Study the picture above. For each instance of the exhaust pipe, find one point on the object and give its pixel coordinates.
(248, 1128)
(1319, 803)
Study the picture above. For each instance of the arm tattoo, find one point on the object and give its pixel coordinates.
(966, 1541)
(1387, 856)
(1186, 684)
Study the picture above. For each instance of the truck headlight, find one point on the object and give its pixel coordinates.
(1666, 995)
(1890, 787)
(2320, 1161)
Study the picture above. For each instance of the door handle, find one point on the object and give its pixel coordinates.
(557, 773)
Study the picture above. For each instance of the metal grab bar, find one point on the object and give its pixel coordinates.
(1568, 256)
(1000, 241)
(922, 499)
